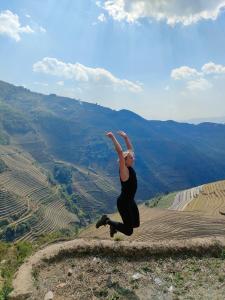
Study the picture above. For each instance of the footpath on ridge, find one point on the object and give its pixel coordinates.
(23, 283)
(162, 233)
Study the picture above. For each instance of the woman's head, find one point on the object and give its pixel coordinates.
(129, 157)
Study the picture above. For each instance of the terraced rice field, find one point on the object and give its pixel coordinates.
(210, 200)
(94, 192)
(163, 224)
(184, 197)
(35, 147)
(25, 193)
(10, 205)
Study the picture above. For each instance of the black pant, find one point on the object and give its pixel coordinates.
(130, 215)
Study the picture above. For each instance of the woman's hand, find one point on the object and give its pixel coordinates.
(110, 135)
(122, 133)
(117, 145)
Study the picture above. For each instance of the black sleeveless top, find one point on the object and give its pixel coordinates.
(129, 187)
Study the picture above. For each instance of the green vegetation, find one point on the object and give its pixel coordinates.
(3, 222)
(63, 234)
(11, 232)
(3, 166)
(62, 174)
(12, 256)
(4, 138)
(161, 201)
(12, 120)
(70, 202)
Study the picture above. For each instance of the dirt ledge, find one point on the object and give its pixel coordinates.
(23, 280)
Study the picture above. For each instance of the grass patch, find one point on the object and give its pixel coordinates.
(118, 238)
(60, 235)
(222, 254)
(161, 201)
(12, 255)
(145, 269)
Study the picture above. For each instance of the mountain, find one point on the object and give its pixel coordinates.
(209, 119)
(68, 133)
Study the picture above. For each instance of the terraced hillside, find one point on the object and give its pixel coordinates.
(174, 254)
(163, 224)
(182, 198)
(191, 213)
(29, 206)
(94, 193)
(91, 191)
(209, 201)
(169, 155)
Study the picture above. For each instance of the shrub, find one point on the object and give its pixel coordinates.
(3, 166)
(62, 174)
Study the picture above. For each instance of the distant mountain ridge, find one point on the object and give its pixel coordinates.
(169, 155)
(207, 120)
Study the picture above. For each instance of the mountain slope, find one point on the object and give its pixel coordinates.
(210, 200)
(169, 155)
(29, 205)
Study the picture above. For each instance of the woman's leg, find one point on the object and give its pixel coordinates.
(136, 215)
(125, 210)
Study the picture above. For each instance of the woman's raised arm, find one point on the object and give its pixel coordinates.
(117, 145)
(127, 140)
(124, 173)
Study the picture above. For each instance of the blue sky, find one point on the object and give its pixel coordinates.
(160, 59)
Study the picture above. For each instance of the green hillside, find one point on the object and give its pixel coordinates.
(161, 201)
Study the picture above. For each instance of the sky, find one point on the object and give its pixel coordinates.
(161, 59)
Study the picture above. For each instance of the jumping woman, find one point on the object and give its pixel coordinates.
(125, 203)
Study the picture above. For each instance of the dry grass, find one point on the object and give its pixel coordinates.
(210, 201)
(110, 278)
(163, 224)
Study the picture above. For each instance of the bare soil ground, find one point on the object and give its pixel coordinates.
(111, 278)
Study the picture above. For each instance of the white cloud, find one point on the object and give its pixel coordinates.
(185, 12)
(60, 83)
(184, 72)
(200, 84)
(211, 68)
(196, 80)
(102, 18)
(10, 25)
(41, 83)
(82, 73)
(98, 3)
(42, 29)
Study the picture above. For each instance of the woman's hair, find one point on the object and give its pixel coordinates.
(125, 153)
